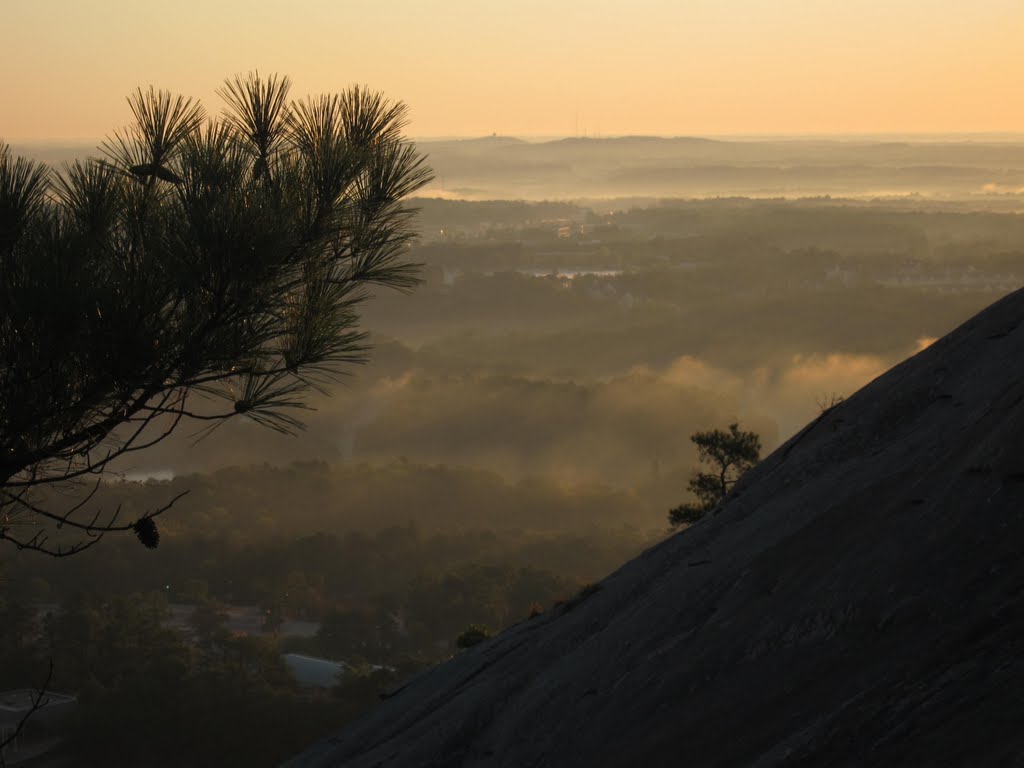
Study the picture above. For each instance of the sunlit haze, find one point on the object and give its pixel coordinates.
(532, 68)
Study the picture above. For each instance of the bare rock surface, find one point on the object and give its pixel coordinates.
(857, 600)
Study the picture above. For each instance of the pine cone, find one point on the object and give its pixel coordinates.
(145, 529)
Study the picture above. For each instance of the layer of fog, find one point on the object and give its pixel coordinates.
(682, 317)
(625, 430)
(574, 168)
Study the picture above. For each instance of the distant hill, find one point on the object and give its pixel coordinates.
(56, 153)
(505, 167)
(855, 601)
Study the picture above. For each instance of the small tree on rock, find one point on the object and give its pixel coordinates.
(729, 455)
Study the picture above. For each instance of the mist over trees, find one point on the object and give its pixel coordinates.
(676, 316)
(523, 428)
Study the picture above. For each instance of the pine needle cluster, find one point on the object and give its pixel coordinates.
(199, 269)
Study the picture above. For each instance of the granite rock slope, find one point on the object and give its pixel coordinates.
(857, 600)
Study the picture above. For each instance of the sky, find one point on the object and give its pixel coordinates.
(535, 67)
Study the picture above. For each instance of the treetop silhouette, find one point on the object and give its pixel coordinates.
(200, 270)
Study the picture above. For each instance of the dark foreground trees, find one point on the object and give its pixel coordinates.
(728, 454)
(200, 271)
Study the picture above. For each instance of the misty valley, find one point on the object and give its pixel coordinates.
(460, 384)
(521, 430)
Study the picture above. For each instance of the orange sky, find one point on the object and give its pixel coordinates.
(536, 67)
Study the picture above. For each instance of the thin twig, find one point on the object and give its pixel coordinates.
(38, 703)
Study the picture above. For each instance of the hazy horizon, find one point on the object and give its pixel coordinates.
(963, 167)
(868, 136)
